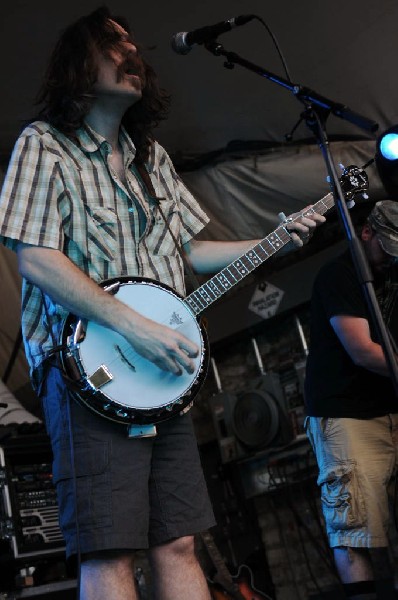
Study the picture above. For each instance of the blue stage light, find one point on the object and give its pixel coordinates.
(389, 146)
(386, 159)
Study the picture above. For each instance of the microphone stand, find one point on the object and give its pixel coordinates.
(317, 109)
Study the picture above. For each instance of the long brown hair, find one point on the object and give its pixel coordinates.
(66, 93)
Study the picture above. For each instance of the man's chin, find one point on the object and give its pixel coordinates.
(134, 95)
(137, 96)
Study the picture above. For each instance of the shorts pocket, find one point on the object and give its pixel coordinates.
(341, 496)
(93, 485)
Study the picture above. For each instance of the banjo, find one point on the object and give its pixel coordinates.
(110, 378)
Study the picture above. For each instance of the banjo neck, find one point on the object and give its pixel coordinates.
(236, 271)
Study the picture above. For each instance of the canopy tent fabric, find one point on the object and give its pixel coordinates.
(243, 195)
(345, 51)
(10, 310)
(12, 411)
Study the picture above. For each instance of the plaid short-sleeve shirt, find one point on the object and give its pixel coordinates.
(65, 195)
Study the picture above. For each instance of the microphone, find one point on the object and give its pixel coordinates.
(183, 41)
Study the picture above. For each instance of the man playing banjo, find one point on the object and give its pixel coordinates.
(81, 205)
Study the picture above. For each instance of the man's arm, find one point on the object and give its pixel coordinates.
(354, 335)
(210, 257)
(68, 286)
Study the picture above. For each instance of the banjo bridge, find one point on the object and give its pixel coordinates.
(100, 377)
(124, 358)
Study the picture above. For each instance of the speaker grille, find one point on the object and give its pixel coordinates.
(256, 419)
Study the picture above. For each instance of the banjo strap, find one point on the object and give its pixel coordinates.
(193, 280)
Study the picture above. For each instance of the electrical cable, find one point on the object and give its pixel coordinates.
(311, 500)
(74, 483)
(275, 41)
(306, 558)
(280, 479)
(285, 545)
(300, 526)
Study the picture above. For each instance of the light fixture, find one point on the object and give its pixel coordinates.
(387, 160)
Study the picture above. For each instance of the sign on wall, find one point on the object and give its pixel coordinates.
(266, 300)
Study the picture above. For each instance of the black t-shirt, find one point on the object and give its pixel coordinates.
(334, 385)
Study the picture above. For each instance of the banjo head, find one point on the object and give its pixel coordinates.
(110, 378)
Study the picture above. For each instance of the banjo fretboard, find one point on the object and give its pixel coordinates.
(237, 270)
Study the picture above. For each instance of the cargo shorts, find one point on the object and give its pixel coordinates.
(357, 460)
(121, 493)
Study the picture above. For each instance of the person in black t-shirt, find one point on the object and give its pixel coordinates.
(352, 408)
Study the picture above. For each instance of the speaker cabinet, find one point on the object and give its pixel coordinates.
(251, 420)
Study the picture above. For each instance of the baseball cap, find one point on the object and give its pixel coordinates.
(384, 220)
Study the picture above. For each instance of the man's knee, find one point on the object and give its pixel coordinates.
(179, 548)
